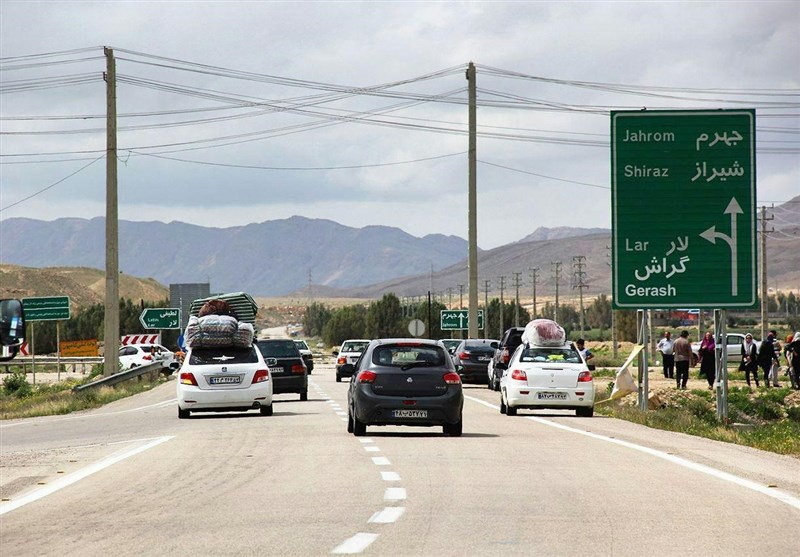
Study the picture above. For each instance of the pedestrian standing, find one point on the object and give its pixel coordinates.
(767, 357)
(683, 358)
(749, 355)
(667, 356)
(793, 356)
(707, 360)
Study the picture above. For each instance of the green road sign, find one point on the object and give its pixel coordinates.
(458, 319)
(161, 318)
(48, 308)
(683, 195)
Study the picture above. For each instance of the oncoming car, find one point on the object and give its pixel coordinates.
(405, 382)
(547, 377)
(224, 379)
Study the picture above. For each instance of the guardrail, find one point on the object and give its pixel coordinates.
(127, 375)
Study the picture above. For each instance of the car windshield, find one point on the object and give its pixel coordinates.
(301, 345)
(407, 356)
(278, 349)
(545, 354)
(228, 355)
(354, 346)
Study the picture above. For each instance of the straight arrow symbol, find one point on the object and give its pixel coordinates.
(712, 235)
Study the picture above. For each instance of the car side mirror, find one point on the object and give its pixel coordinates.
(335, 352)
(495, 345)
(12, 327)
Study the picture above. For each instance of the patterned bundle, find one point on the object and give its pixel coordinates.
(217, 331)
(544, 332)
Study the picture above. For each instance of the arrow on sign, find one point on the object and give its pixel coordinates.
(711, 235)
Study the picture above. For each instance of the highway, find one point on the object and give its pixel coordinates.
(132, 479)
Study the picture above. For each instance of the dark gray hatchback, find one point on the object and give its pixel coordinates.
(405, 382)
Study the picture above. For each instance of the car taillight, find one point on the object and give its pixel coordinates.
(298, 368)
(519, 375)
(505, 355)
(464, 355)
(188, 379)
(367, 376)
(261, 376)
(452, 378)
(584, 376)
(341, 360)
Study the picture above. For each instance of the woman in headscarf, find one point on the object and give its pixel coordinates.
(793, 360)
(706, 356)
(749, 355)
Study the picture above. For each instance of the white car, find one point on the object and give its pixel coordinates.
(135, 355)
(547, 377)
(223, 380)
(349, 353)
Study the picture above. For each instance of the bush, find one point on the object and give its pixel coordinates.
(17, 385)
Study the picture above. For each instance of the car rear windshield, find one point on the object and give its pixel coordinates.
(301, 345)
(216, 356)
(354, 346)
(408, 355)
(278, 349)
(544, 354)
(482, 345)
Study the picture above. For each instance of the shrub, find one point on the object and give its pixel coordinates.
(17, 385)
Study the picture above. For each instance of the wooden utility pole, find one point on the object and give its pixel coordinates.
(534, 281)
(473, 204)
(764, 294)
(111, 332)
(502, 309)
(556, 266)
(516, 299)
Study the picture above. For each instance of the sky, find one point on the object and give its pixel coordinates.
(238, 112)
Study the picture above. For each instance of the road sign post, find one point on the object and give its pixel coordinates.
(161, 318)
(681, 181)
(457, 319)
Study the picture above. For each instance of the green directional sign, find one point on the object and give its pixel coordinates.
(458, 319)
(683, 190)
(46, 308)
(161, 318)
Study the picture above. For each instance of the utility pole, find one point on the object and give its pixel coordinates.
(580, 275)
(449, 297)
(534, 281)
(516, 303)
(613, 314)
(502, 289)
(764, 315)
(111, 332)
(486, 308)
(556, 268)
(473, 204)
(460, 296)
(310, 291)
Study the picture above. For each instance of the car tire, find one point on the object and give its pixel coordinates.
(266, 410)
(510, 410)
(490, 384)
(359, 427)
(349, 422)
(454, 430)
(338, 378)
(183, 414)
(503, 407)
(304, 396)
(585, 412)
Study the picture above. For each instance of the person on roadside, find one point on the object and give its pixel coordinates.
(682, 350)
(667, 357)
(793, 357)
(705, 355)
(580, 344)
(776, 365)
(767, 357)
(749, 359)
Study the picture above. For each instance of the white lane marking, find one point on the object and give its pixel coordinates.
(390, 476)
(356, 544)
(341, 413)
(28, 421)
(78, 475)
(380, 461)
(343, 419)
(394, 494)
(387, 515)
(366, 440)
(782, 496)
(372, 449)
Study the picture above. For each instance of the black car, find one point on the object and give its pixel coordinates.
(512, 338)
(472, 358)
(405, 382)
(289, 374)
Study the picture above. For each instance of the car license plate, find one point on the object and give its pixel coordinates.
(410, 413)
(225, 380)
(277, 369)
(552, 396)
(483, 358)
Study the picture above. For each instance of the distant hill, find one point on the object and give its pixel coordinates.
(544, 233)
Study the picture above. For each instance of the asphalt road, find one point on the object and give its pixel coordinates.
(132, 479)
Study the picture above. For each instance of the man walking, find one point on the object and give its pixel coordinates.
(767, 358)
(668, 358)
(683, 358)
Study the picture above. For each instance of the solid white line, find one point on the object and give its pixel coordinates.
(356, 544)
(782, 496)
(372, 449)
(394, 494)
(78, 475)
(380, 461)
(28, 421)
(390, 476)
(387, 515)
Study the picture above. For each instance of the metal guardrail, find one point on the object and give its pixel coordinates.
(120, 377)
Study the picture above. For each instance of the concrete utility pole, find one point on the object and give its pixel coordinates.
(473, 204)
(111, 332)
(486, 307)
(460, 296)
(534, 281)
(450, 297)
(556, 267)
(516, 299)
(580, 275)
(502, 311)
(764, 314)
(613, 315)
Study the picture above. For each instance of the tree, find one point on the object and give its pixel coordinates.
(346, 322)
(598, 314)
(385, 318)
(315, 318)
(492, 316)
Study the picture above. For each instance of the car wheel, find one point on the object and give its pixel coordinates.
(183, 414)
(338, 378)
(304, 395)
(266, 410)
(454, 430)
(490, 384)
(503, 407)
(359, 427)
(510, 410)
(585, 412)
(349, 423)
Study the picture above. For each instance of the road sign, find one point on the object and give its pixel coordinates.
(680, 181)
(458, 319)
(416, 327)
(47, 308)
(161, 318)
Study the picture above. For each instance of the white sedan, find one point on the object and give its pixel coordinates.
(224, 380)
(135, 355)
(547, 377)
